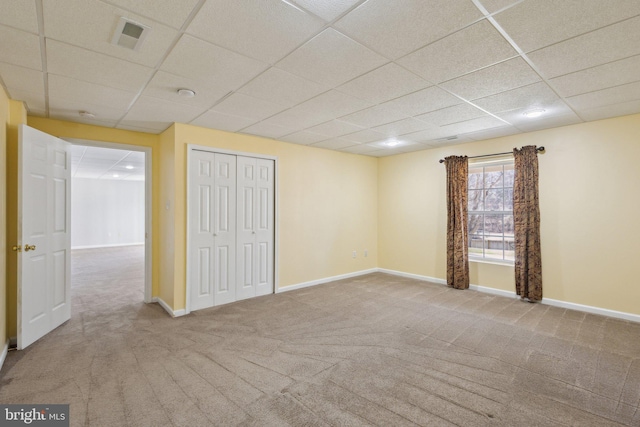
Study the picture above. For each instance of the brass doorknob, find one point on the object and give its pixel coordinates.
(17, 248)
(28, 248)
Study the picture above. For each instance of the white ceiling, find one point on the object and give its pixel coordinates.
(106, 163)
(346, 75)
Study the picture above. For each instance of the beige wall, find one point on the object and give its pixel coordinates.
(590, 233)
(4, 118)
(327, 206)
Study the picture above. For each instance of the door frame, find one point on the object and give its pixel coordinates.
(195, 147)
(148, 206)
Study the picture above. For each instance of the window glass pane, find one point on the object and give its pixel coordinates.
(493, 248)
(475, 200)
(508, 199)
(475, 178)
(493, 176)
(508, 175)
(476, 230)
(509, 245)
(493, 225)
(493, 200)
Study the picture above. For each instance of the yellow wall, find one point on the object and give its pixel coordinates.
(327, 206)
(589, 179)
(4, 119)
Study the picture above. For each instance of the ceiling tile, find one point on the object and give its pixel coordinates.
(82, 64)
(327, 10)
(170, 12)
(331, 58)
(215, 120)
(20, 78)
(395, 30)
(473, 125)
(549, 122)
(66, 89)
(165, 85)
(595, 48)
(320, 109)
(384, 83)
(497, 78)
(20, 48)
(34, 101)
(202, 61)
(537, 95)
(532, 27)
(360, 149)
(366, 135)
(147, 127)
(428, 135)
(266, 30)
(335, 128)
(467, 50)
(380, 114)
(444, 142)
(493, 6)
(70, 109)
(517, 118)
(303, 137)
(492, 133)
(246, 106)
(608, 111)
(446, 116)
(423, 101)
(281, 87)
(19, 14)
(600, 77)
(267, 130)
(91, 23)
(335, 143)
(402, 127)
(604, 97)
(150, 110)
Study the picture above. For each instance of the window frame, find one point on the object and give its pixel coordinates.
(484, 163)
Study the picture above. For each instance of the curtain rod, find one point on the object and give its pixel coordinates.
(539, 149)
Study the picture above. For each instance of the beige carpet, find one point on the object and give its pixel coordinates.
(374, 350)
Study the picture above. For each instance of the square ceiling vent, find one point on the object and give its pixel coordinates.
(130, 34)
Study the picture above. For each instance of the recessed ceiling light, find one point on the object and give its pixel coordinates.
(392, 142)
(534, 113)
(128, 167)
(115, 175)
(86, 114)
(186, 93)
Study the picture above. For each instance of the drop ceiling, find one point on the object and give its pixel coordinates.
(106, 163)
(347, 75)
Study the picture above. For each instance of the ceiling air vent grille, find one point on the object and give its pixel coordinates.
(130, 34)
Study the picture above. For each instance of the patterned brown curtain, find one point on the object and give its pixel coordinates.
(457, 222)
(526, 217)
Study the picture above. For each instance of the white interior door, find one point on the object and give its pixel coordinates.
(44, 265)
(255, 227)
(211, 229)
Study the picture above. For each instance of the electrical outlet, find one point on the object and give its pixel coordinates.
(366, 252)
(354, 254)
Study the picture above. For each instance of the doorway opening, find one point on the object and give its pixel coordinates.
(110, 226)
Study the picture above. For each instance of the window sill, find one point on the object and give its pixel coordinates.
(495, 262)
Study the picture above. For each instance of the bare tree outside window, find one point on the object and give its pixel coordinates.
(491, 211)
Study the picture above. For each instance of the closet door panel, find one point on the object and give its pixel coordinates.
(224, 219)
(246, 233)
(264, 219)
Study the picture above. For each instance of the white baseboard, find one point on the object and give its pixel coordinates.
(172, 313)
(511, 294)
(113, 245)
(325, 280)
(3, 356)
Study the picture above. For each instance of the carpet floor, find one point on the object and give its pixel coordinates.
(372, 350)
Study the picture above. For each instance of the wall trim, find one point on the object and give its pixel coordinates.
(172, 313)
(3, 355)
(510, 294)
(324, 280)
(113, 245)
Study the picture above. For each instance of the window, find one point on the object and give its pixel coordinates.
(491, 211)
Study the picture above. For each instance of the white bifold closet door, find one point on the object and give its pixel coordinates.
(231, 228)
(212, 229)
(254, 266)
